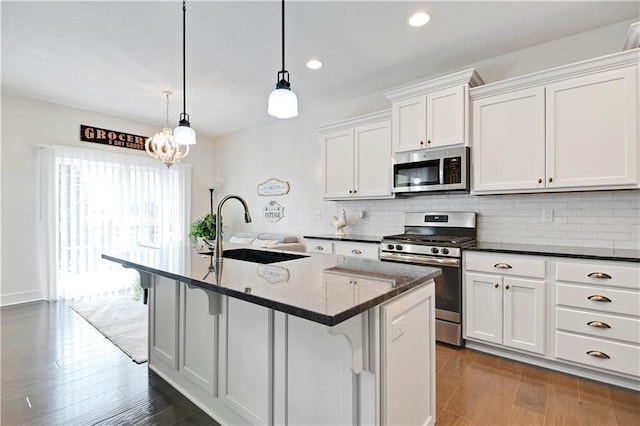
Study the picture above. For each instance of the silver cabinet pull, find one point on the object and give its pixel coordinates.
(356, 251)
(598, 298)
(319, 248)
(599, 275)
(502, 266)
(598, 324)
(598, 354)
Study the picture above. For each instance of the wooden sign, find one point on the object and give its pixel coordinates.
(111, 137)
(273, 186)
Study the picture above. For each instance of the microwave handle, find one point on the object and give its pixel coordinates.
(441, 170)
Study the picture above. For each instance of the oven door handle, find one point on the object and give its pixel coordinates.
(421, 259)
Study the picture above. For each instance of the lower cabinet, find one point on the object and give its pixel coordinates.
(344, 248)
(579, 316)
(597, 309)
(247, 364)
(504, 309)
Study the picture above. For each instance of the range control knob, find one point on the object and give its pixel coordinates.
(445, 251)
(390, 246)
(398, 247)
(434, 250)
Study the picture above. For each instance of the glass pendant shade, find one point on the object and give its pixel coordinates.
(184, 134)
(283, 103)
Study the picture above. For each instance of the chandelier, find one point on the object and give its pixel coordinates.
(162, 146)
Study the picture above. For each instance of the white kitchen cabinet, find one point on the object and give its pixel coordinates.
(508, 134)
(344, 248)
(570, 128)
(357, 157)
(432, 114)
(502, 308)
(597, 307)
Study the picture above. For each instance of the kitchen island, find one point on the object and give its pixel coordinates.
(311, 340)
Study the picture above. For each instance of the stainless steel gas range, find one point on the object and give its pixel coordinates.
(436, 239)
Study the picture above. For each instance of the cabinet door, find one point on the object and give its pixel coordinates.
(245, 369)
(373, 160)
(524, 314)
(508, 141)
(409, 118)
(445, 117)
(483, 307)
(592, 130)
(338, 166)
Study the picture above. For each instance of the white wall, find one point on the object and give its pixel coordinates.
(27, 123)
(291, 150)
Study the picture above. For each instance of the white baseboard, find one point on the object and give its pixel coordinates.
(21, 297)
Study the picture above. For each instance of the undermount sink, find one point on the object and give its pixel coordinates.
(259, 256)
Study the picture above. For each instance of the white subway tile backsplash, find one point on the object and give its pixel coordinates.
(608, 219)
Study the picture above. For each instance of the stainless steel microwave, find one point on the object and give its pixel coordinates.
(444, 170)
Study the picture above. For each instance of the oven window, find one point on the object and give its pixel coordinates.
(449, 290)
(416, 174)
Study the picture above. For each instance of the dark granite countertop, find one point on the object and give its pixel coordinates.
(347, 237)
(562, 251)
(320, 288)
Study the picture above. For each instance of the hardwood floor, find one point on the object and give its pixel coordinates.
(473, 388)
(57, 369)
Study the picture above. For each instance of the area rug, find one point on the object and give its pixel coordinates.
(121, 320)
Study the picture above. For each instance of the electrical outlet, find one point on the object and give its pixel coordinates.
(547, 215)
(397, 328)
(318, 215)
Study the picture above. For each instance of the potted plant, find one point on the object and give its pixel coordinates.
(203, 229)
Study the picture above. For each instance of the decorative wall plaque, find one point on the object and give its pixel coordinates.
(273, 274)
(273, 187)
(273, 212)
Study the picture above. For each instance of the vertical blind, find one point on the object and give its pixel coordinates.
(109, 202)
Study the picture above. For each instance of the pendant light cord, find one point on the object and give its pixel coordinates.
(184, 56)
(283, 35)
(166, 121)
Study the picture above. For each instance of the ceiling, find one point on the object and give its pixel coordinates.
(117, 57)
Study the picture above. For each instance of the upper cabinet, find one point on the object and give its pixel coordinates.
(357, 157)
(432, 114)
(569, 128)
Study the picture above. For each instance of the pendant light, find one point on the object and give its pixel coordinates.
(184, 134)
(162, 146)
(283, 103)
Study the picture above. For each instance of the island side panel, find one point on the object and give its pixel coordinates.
(408, 358)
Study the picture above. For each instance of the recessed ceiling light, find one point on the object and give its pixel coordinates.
(419, 19)
(314, 64)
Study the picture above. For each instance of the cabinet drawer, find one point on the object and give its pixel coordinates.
(363, 250)
(319, 246)
(623, 358)
(614, 301)
(609, 274)
(505, 265)
(602, 325)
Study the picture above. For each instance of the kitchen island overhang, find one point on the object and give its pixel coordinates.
(299, 289)
(267, 335)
